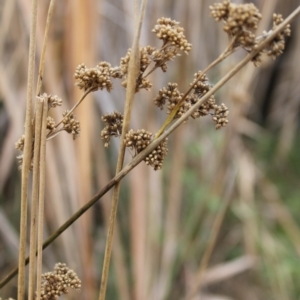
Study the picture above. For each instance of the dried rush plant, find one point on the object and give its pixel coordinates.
(240, 22)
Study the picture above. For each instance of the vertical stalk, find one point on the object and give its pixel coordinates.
(42, 60)
(35, 200)
(41, 199)
(27, 154)
(133, 71)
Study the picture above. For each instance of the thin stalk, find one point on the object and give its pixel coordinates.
(27, 153)
(133, 70)
(139, 157)
(42, 60)
(42, 179)
(71, 110)
(35, 200)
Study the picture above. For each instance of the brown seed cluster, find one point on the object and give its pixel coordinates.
(240, 21)
(220, 115)
(139, 140)
(114, 123)
(171, 96)
(53, 100)
(57, 283)
(172, 34)
(50, 123)
(277, 45)
(71, 124)
(95, 78)
(174, 42)
(201, 87)
(19, 145)
(145, 60)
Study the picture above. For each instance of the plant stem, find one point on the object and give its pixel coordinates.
(133, 71)
(27, 153)
(41, 200)
(35, 200)
(42, 60)
(72, 109)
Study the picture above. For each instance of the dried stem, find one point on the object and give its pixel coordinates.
(41, 200)
(42, 60)
(139, 157)
(133, 70)
(54, 132)
(35, 200)
(27, 153)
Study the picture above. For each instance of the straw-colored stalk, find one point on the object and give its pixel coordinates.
(42, 60)
(133, 69)
(35, 200)
(41, 201)
(27, 153)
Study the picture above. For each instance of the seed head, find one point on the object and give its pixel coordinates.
(172, 34)
(50, 123)
(71, 124)
(277, 45)
(57, 282)
(139, 140)
(114, 123)
(171, 96)
(201, 87)
(98, 77)
(240, 21)
(220, 115)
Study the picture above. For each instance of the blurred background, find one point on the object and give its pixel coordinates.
(222, 218)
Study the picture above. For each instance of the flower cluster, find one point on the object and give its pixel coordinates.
(174, 41)
(139, 140)
(114, 123)
(277, 45)
(220, 115)
(95, 78)
(145, 61)
(172, 34)
(240, 21)
(57, 283)
(50, 123)
(201, 86)
(71, 124)
(142, 83)
(171, 96)
(53, 100)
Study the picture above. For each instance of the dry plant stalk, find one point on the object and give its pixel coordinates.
(34, 201)
(27, 154)
(240, 23)
(133, 72)
(42, 179)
